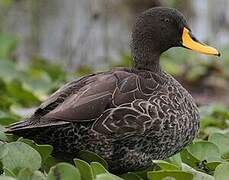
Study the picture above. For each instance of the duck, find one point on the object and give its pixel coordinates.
(128, 116)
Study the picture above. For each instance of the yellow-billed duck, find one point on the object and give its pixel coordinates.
(129, 116)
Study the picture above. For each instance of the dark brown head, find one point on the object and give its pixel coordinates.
(158, 29)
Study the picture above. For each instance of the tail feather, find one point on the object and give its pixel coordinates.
(32, 123)
(18, 126)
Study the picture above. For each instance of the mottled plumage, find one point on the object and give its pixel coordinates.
(127, 116)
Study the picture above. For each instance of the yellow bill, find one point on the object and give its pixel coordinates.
(190, 42)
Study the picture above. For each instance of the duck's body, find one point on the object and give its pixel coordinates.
(128, 116)
(134, 117)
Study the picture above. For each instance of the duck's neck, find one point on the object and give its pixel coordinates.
(146, 61)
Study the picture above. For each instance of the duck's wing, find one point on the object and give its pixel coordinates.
(80, 100)
(135, 111)
(116, 101)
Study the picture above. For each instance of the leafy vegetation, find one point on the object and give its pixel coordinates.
(24, 88)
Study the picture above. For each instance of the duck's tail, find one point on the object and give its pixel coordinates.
(31, 125)
(18, 126)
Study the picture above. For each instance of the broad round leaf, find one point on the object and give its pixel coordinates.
(222, 172)
(45, 150)
(177, 175)
(21, 155)
(204, 150)
(63, 171)
(197, 175)
(222, 142)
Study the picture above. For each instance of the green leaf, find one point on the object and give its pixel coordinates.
(176, 159)
(143, 173)
(3, 150)
(27, 174)
(63, 171)
(8, 172)
(226, 156)
(3, 136)
(89, 157)
(188, 158)
(197, 175)
(222, 142)
(21, 155)
(177, 175)
(204, 150)
(131, 176)
(50, 161)
(6, 178)
(45, 150)
(222, 172)
(105, 177)
(85, 169)
(212, 165)
(98, 168)
(197, 153)
(211, 130)
(165, 165)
